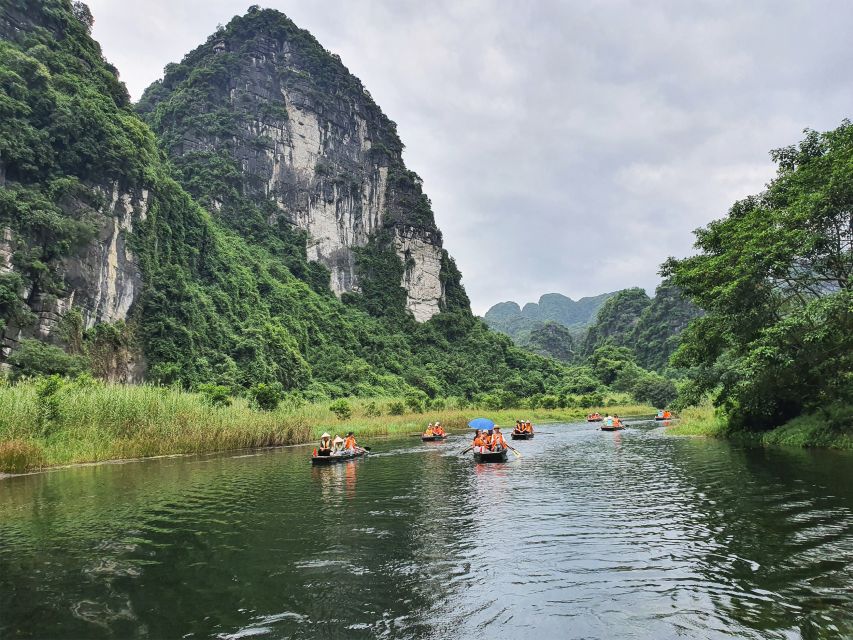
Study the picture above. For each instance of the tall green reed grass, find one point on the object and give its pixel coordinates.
(90, 421)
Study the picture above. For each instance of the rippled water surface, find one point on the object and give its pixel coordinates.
(587, 535)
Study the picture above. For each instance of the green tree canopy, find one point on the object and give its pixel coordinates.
(775, 277)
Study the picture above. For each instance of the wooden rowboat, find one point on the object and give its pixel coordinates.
(491, 456)
(335, 458)
(433, 438)
(522, 436)
(594, 419)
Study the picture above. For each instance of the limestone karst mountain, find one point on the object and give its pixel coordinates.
(297, 140)
(249, 221)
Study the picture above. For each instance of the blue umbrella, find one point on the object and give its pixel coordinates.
(481, 423)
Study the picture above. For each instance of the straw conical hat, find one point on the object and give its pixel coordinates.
(325, 435)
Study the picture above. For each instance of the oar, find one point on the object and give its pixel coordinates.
(466, 450)
(515, 451)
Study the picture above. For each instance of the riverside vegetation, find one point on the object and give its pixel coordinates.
(53, 421)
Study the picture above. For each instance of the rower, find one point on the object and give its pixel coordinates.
(438, 429)
(349, 443)
(616, 421)
(497, 442)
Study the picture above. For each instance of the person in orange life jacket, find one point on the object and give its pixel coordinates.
(480, 441)
(349, 443)
(497, 442)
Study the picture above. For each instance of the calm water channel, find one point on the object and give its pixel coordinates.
(587, 535)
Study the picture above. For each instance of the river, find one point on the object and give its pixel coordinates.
(588, 534)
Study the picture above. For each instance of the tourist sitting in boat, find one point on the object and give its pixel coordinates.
(667, 415)
(349, 444)
(337, 444)
(528, 426)
(325, 447)
(497, 442)
(477, 444)
(616, 421)
(438, 429)
(430, 431)
(608, 421)
(660, 414)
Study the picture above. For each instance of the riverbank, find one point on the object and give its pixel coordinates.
(82, 422)
(832, 429)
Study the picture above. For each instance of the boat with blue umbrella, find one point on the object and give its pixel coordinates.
(485, 424)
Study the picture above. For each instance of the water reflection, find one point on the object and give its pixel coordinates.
(587, 532)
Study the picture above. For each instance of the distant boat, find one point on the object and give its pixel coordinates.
(523, 435)
(433, 438)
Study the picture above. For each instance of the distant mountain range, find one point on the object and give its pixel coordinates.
(570, 330)
(518, 322)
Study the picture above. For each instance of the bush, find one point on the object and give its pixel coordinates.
(19, 456)
(589, 400)
(34, 358)
(47, 402)
(216, 395)
(396, 408)
(416, 401)
(372, 410)
(437, 404)
(655, 390)
(341, 409)
(549, 402)
(266, 397)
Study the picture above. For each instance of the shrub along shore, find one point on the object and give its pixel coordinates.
(829, 428)
(51, 421)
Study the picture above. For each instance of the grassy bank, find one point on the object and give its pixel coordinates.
(831, 428)
(89, 422)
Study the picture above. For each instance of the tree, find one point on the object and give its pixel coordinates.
(608, 361)
(341, 409)
(266, 397)
(655, 390)
(775, 277)
(35, 358)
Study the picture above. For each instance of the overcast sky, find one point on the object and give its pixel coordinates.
(566, 146)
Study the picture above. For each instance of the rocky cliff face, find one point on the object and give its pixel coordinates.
(304, 143)
(101, 279)
(63, 233)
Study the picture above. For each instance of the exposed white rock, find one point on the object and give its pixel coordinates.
(7, 249)
(421, 277)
